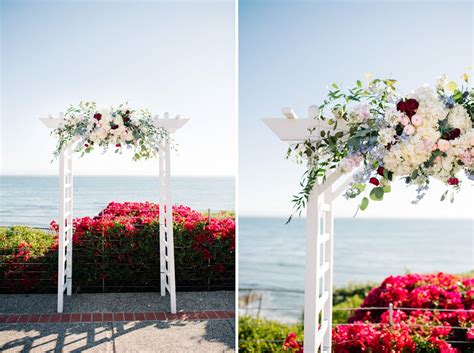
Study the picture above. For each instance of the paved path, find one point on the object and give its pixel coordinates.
(118, 322)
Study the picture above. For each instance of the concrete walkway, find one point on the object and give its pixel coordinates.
(179, 333)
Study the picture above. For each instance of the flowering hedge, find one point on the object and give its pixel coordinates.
(442, 311)
(119, 250)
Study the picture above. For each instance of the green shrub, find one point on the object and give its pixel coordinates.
(39, 241)
(262, 335)
(24, 258)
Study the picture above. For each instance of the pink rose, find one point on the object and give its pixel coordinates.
(409, 129)
(443, 145)
(405, 120)
(435, 147)
(416, 120)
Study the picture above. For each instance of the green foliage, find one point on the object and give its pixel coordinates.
(376, 194)
(39, 241)
(342, 294)
(341, 316)
(261, 335)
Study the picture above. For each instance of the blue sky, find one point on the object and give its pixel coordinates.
(289, 52)
(165, 56)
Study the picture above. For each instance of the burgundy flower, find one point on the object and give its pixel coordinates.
(86, 145)
(411, 104)
(408, 107)
(451, 135)
(453, 181)
(118, 145)
(380, 170)
(126, 119)
(97, 116)
(374, 181)
(114, 127)
(401, 106)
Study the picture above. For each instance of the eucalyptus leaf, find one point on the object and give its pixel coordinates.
(364, 204)
(376, 194)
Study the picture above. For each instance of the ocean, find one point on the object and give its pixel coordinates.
(33, 200)
(271, 255)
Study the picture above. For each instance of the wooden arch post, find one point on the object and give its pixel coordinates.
(318, 276)
(167, 265)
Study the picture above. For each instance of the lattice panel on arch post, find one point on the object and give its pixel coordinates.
(167, 268)
(66, 228)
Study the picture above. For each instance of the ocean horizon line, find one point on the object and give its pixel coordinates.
(358, 218)
(120, 175)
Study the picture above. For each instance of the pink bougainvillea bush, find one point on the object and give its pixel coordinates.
(119, 250)
(432, 313)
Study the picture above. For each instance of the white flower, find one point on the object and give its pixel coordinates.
(386, 136)
(393, 116)
(349, 163)
(359, 114)
(441, 82)
(459, 118)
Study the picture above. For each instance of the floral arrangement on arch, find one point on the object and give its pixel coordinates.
(425, 134)
(118, 127)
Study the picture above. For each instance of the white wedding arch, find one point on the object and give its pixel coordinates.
(167, 265)
(319, 233)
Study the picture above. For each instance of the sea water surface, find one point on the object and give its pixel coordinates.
(271, 255)
(34, 200)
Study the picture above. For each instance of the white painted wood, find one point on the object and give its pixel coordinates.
(66, 229)
(312, 260)
(169, 232)
(61, 240)
(342, 187)
(52, 122)
(70, 231)
(289, 113)
(294, 130)
(171, 125)
(163, 243)
(319, 237)
(328, 278)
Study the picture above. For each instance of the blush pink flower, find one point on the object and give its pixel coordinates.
(404, 120)
(409, 129)
(443, 145)
(416, 120)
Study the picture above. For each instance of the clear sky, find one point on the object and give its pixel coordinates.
(290, 51)
(166, 56)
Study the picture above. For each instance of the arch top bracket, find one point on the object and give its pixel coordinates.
(292, 129)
